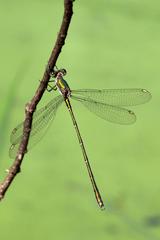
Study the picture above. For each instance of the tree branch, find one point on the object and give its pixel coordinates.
(31, 106)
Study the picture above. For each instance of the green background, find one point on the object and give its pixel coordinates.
(111, 44)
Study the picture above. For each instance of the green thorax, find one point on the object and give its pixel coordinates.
(62, 85)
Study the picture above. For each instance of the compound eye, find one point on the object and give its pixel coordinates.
(63, 71)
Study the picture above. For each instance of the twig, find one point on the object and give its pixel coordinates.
(31, 106)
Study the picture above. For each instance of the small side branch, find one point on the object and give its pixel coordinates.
(31, 106)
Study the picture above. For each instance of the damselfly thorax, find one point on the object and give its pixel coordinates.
(62, 85)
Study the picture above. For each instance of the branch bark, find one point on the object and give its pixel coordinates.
(31, 106)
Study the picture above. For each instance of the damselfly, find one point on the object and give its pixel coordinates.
(107, 104)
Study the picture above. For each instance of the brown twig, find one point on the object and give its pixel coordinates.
(31, 106)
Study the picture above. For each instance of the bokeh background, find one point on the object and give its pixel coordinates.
(111, 44)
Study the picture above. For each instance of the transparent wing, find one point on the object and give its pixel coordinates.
(118, 97)
(108, 112)
(41, 122)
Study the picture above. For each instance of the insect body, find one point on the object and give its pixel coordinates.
(108, 104)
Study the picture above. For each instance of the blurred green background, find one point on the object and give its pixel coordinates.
(111, 44)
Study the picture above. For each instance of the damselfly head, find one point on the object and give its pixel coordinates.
(63, 71)
(59, 72)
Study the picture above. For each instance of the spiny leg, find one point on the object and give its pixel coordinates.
(51, 88)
